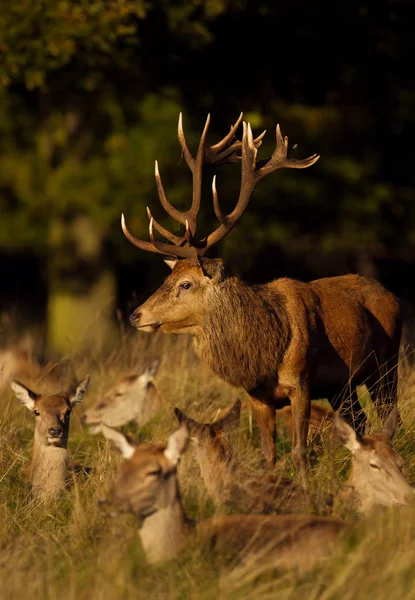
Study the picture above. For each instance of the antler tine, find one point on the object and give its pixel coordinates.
(216, 207)
(139, 243)
(248, 181)
(156, 246)
(279, 159)
(186, 152)
(219, 154)
(174, 239)
(197, 173)
(173, 212)
(169, 249)
(220, 145)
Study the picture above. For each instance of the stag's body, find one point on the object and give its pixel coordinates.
(50, 465)
(147, 486)
(285, 341)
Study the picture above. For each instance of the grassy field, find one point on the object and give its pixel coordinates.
(75, 550)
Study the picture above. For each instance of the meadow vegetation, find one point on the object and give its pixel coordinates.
(79, 548)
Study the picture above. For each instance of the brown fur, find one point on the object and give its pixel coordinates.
(285, 341)
(376, 476)
(50, 469)
(147, 486)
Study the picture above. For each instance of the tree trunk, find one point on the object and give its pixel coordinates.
(82, 287)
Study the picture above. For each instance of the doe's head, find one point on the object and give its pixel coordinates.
(52, 412)
(376, 476)
(147, 479)
(131, 397)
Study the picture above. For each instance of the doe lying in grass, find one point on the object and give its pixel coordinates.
(50, 465)
(133, 397)
(376, 477)
(147, 486)
(225, 479)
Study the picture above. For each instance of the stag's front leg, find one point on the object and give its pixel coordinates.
(264, 416)
(300, 407)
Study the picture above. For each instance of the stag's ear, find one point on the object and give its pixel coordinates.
(345, 434)
(77, 393)
(214, 269)
(23, 394)
(170, 262)
(119, 441)
(391, 423)
(231, 420)
(177, 444)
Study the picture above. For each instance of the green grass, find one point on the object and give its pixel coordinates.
(76, 550)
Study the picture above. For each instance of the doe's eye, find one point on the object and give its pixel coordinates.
(186, 285)
(36, 413)
(374, 466)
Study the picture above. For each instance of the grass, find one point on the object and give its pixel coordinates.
(75, 550)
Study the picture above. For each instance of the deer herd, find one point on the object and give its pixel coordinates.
(284, 343)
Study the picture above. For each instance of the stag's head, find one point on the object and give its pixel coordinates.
(147, 479)
(179, 304)
(52, 412)
(131, 397)
(376, 475)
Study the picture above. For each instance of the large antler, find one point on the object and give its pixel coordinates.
(228, 150)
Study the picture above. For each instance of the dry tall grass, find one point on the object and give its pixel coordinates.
(76, 550)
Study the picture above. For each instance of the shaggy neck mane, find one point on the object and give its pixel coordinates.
(239, 340)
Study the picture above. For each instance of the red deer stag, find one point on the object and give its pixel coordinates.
(283, 341)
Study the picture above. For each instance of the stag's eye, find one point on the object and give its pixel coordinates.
(36, 413)
(374, 466)
(101, 405)
(186, 285)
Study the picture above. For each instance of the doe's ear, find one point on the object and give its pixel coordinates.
(231, 420)
(153, 368)
(77, 393)
(391, 423)
(192, 425)
(345, 434)
(177, 444)
(23, 394)
(117, 439)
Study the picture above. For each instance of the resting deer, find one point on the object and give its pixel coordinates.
(284, 342)
(147, 486)
(225, 479)
(376, 477)
(133, 397)
(50, 466)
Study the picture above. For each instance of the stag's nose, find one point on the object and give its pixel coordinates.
(83, 419)
(135, 318)
(55, 432)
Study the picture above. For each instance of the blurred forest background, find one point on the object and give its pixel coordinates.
(90, 95)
